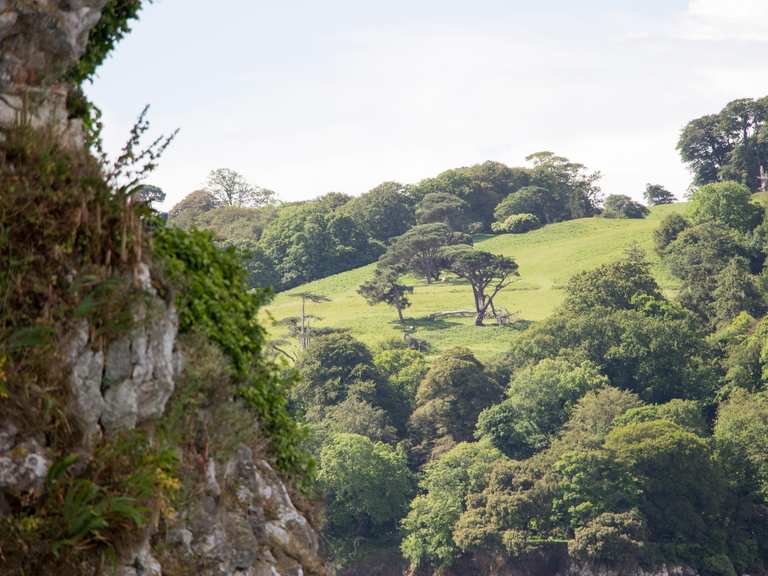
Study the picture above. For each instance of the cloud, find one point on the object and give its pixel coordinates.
(716, 20)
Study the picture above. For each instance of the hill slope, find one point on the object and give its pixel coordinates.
(547, 257)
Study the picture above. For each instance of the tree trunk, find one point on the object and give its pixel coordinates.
(400, 314)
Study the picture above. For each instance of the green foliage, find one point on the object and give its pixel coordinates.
(622, 206)
(433, 514)
(539, 401)
(668, 231)
(481, 186)
(533, 200)
(592, 483)
(383, 212)
(657, 195)
(687, 414)
(313, 240)
(419, 250)
(684, 503)
(610, 538)
(449, 400)
(727, 145)
(367, 484)
(444, 208)
(618, 285)
(517, 224)
(726, 203)
(404, 368)
(741, 436)
(113, 25)
(486, 273)
(385, 287)
(213, 299)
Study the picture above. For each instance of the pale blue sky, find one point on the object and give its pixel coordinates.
(307, 97)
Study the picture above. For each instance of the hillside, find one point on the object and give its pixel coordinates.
(547, 257)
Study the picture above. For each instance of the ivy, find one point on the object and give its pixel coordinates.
(112, 26)
(213, 299)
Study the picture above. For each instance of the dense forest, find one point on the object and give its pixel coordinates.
(629, 428)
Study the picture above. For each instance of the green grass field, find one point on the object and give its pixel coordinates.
(547, 257)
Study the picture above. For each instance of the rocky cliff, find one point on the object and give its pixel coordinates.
(233, 513)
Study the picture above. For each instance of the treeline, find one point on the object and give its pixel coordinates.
(293, 243)
(630, 427)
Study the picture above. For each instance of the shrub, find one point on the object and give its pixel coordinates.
(614, 539)
(621, 206)
(517, 224)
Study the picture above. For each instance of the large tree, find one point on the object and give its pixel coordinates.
(449, 399)
(442, 207)
(383, 212)
(230, 188)
(420, 250)
(487, 273)
(729, 145)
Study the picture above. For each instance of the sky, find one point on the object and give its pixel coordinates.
(306, 97)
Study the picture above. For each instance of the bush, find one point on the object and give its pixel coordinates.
(614, 539)
(621, 206)
(517, 224)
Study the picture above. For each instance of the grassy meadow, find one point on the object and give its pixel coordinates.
(547, 257)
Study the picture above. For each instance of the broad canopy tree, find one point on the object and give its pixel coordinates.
(230, 188)
(419, 250)
(487, 273)
(656, 195)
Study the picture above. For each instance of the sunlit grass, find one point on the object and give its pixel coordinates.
(547, 257)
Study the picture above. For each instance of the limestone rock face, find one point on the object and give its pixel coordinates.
(39, 41)
(247, 525)
(132, 382)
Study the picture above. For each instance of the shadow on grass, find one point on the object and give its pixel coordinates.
(425, 323)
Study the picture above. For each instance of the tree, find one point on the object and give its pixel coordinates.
(539, 401)
(656, 195)
(311, 240)
(668, 231)
(420, 250)
(530, 200)
(384, 287)
(726, 203)
(185, 213)
(729, 145)
(367, 485)
(356, 416)
(481, 186)
(336, 367)
(614, 285)
(383, 212)
(448, 401)
(442, 207)
(331, 366)
(683, 502)
(487, 273)
(741, 435)
(302, 326)
(232, 189)
(447, 481)
(621, 206)
(575, 189)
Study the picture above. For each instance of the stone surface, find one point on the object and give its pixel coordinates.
(133, 381)
(23, 463)
(40, 40)
(256, 531)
